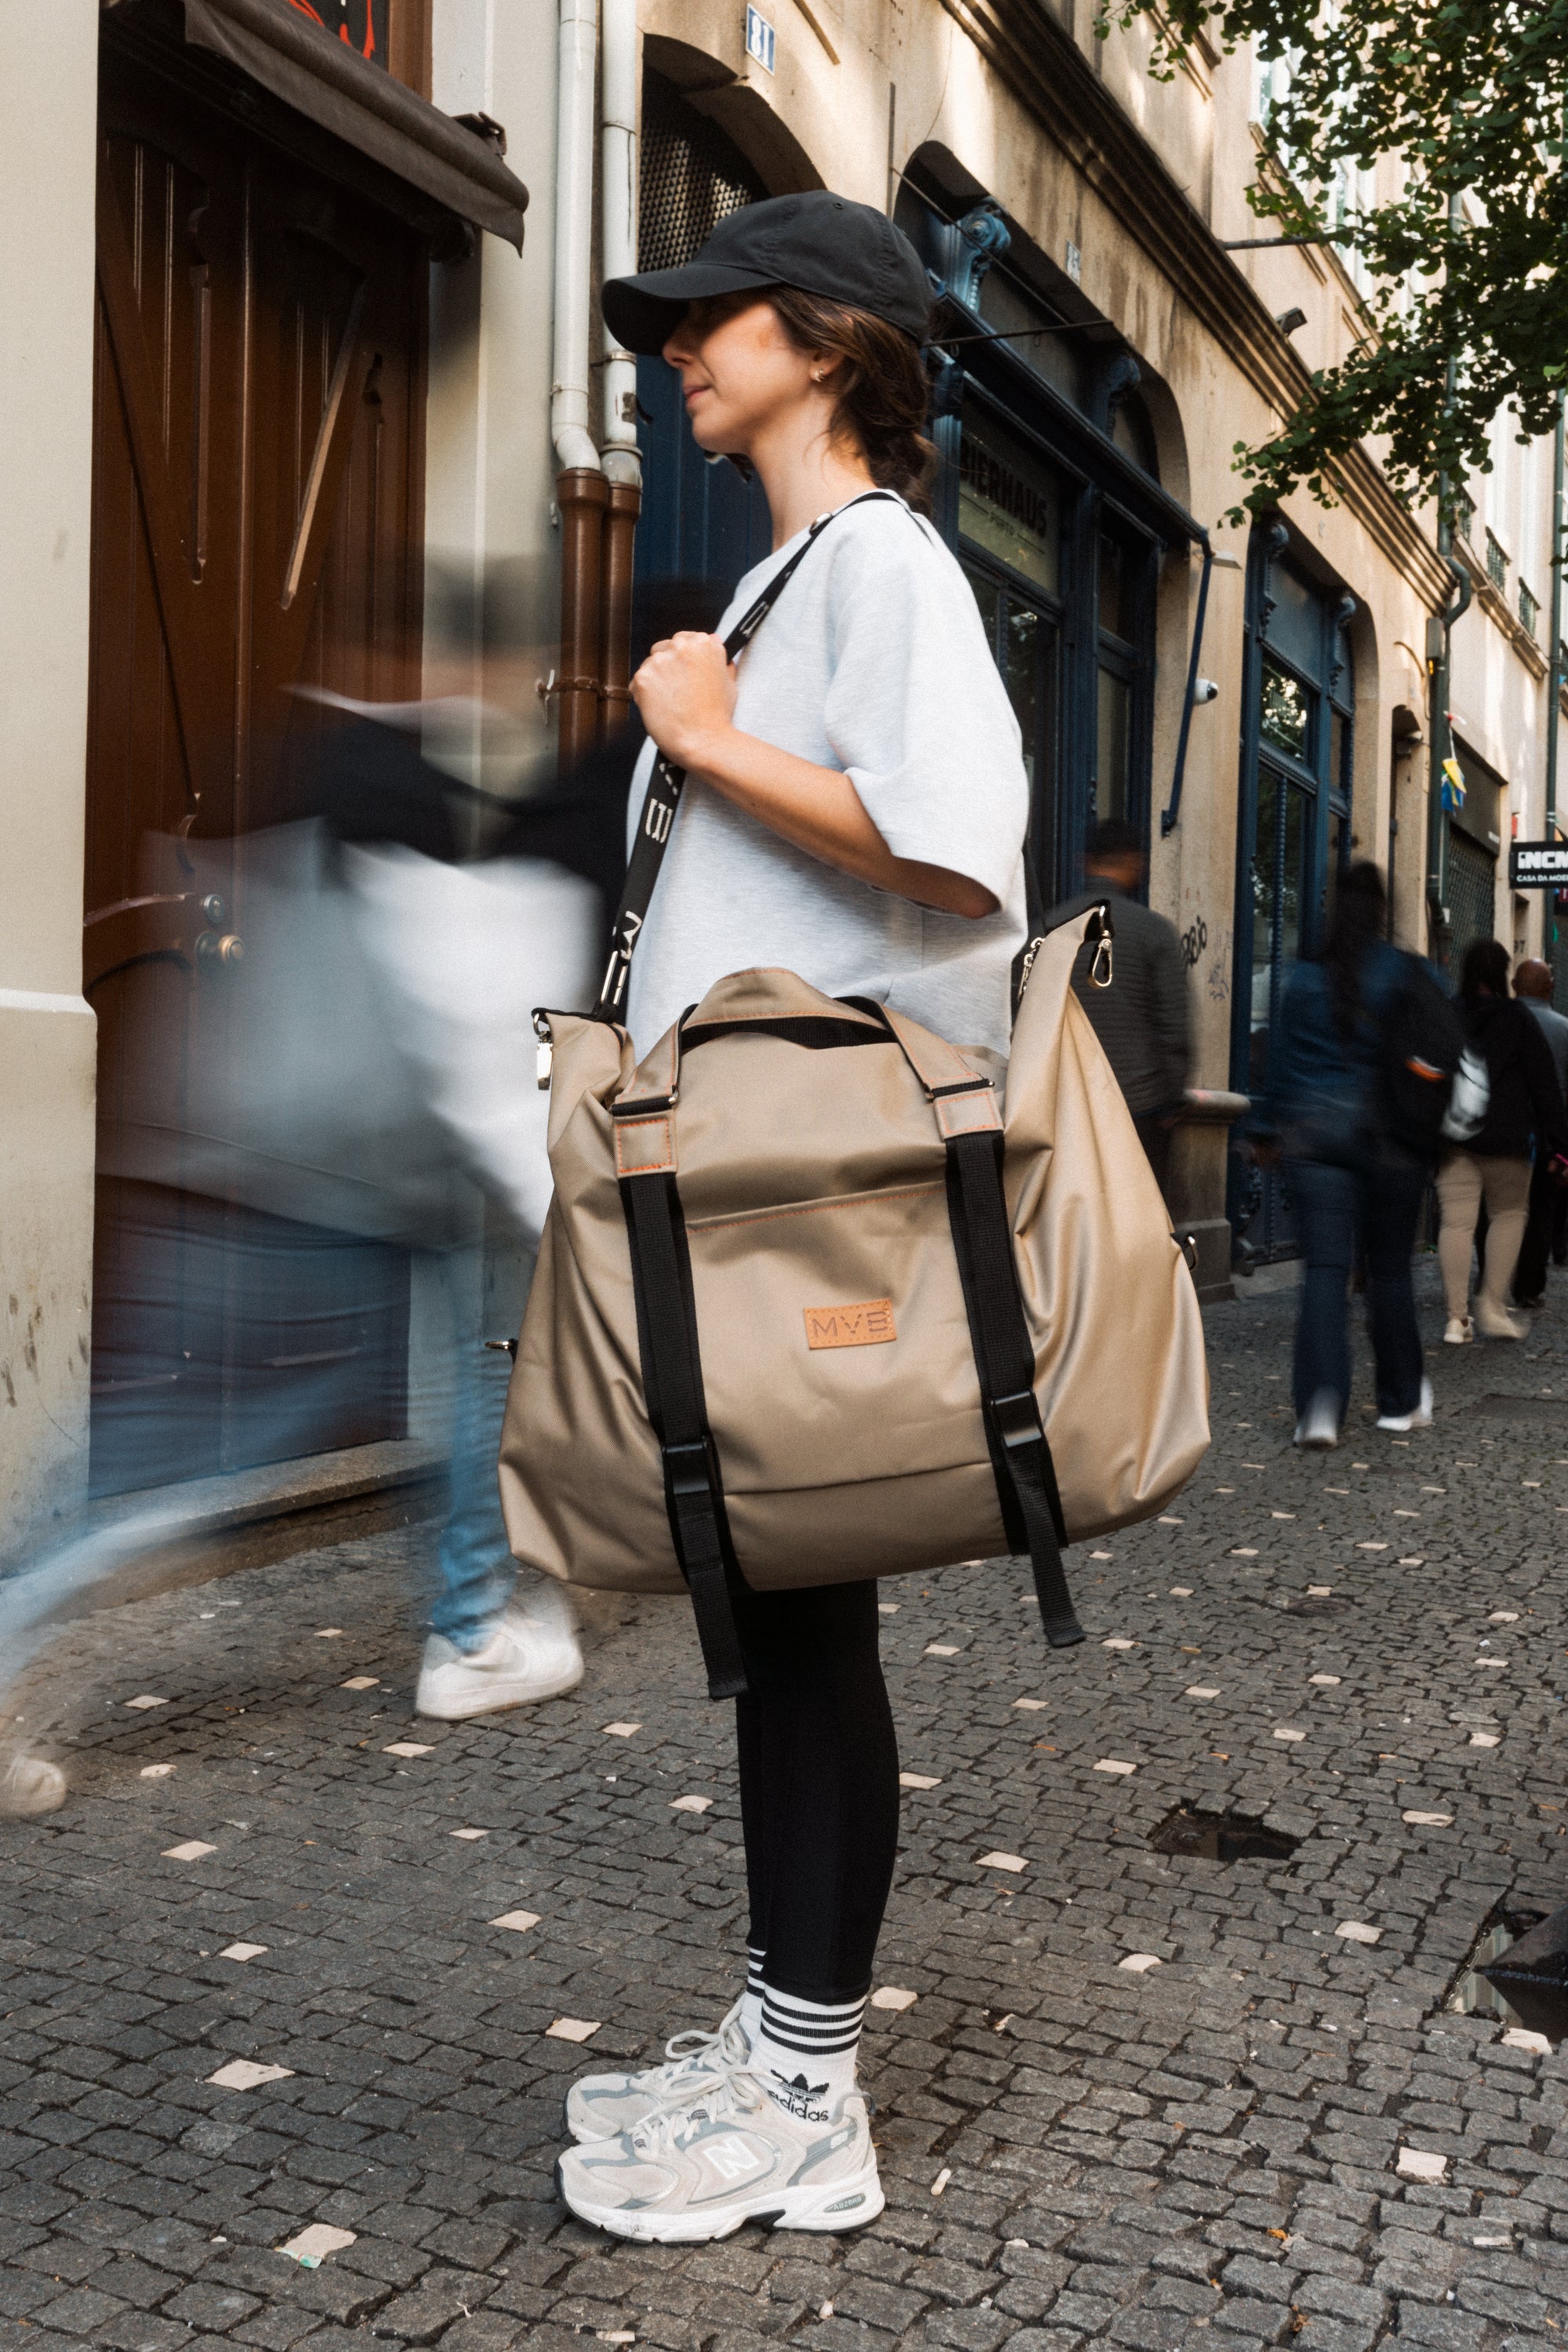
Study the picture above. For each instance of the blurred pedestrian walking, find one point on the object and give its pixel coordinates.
(1546, 1226)
(1143, 1019)
(1524, 1114)
(1350, 1172)
(368, 1089)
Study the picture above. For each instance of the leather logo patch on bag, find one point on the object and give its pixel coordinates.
(869, 1325)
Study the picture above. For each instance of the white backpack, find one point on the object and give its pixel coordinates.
(1469, 1100)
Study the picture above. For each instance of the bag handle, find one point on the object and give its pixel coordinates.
(664, 786)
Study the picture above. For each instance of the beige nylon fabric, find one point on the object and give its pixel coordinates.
(814, 1182)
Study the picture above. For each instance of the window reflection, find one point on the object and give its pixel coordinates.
(1286, 710)
(1021, 671)
(1111, 795)
(1116, 597)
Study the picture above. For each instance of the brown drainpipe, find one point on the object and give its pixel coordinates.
(616, 632)
(583, 496)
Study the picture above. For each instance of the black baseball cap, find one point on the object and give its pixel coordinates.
(818, 242)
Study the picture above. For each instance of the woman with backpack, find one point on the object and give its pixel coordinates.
(1524, 1115)
(1323, 1112)
(855, 812)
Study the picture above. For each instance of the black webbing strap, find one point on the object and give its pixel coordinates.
(672, 1383)
(1026, 1476)
(665, 783)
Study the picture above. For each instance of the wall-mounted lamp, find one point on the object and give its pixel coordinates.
(1289, 320)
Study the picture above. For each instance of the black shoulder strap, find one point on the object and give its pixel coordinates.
(1005, 1360)
(672, 1383)
(665, 783)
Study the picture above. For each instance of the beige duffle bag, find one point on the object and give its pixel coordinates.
(822, 1299)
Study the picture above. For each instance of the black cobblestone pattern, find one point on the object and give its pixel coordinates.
(1204, 2152)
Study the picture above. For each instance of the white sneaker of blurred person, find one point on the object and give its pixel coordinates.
(732, 2156)
(494, 1641)
(1318, 1428)
(1419, 1417)
(530, 1652)
(1460, 1331)
(28, 1785)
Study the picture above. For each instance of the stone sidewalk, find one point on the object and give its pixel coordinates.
(1074, 2149)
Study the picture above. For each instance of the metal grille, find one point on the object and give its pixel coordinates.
(1472, 896)
(692, 176)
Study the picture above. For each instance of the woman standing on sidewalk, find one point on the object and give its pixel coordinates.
(1525, 1112)
(855, 812)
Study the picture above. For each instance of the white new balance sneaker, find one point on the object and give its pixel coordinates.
(524, 1659)
(602, 2107)
(700, 2171)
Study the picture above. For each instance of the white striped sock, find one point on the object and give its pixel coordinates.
(804, 2053)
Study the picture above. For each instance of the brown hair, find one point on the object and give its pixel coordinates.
(881, 387)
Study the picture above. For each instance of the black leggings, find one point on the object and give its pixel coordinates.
(819, 1786)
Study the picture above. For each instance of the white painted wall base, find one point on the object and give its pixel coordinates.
(48, 140)
(47, 1052)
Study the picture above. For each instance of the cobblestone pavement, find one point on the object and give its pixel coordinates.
(1074, 2149)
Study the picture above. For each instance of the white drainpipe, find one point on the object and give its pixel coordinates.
(574, 444)
(618, 227)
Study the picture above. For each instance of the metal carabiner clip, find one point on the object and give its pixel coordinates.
(1101, 956)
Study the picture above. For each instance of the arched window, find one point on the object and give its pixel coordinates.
(703, 525)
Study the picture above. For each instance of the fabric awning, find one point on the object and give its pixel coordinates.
(361, 104)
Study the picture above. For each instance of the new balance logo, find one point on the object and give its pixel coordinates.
(731, 2158)
(869, 1325)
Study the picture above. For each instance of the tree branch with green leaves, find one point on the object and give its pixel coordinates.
(1466, 266)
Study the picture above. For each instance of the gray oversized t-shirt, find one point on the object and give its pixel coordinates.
(874, 661)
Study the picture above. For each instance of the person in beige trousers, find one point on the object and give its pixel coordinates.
(1524, 1104)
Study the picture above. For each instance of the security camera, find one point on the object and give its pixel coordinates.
(1289, 321)
(1204, 689)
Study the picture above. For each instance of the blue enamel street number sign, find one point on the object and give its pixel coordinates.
(760, 39)
(1538, 864)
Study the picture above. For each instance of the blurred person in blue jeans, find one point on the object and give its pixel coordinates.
(1349, 1177)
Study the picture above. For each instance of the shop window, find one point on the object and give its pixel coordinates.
(1009, 505)
(1069, 613)
(1295, 834)
(1009, 522)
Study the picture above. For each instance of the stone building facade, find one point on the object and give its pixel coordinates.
(1109, 330)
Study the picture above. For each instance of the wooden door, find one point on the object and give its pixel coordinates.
(257, 500)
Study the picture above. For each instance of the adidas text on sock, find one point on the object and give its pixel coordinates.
(804, 2055)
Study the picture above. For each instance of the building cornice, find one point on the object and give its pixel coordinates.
(1040, 63)
(1490, 600)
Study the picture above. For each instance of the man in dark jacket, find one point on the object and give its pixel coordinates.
(1142, 1019)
